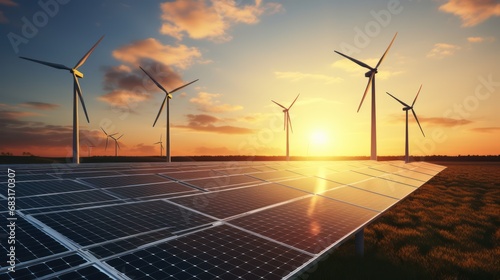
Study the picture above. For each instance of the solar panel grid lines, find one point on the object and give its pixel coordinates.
(88, 272)
(43, 187)
(155, 190)
(218, 252)
(230, 202)
(274, 176)
(310, 224)
(311, 185)
(362, 198)
(124, 180)
(75, 175)
(223, 182)
(46, 268)
(62, 199)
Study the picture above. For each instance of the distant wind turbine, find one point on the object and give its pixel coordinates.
(167, 100)
(371, 75)
(287, 123)
(117, 146)
(77, 95)
(407, 108)
(107, 137)
(161, 146)
(89, 149)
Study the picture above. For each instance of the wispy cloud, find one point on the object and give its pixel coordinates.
(180, 56)
(442, 50)
(480, 39)
(298, 76)
(207, 102)
(208, 123)
(493, 129)
(40, 105)
(351, 67)
(437, 121)
(201, 19)
(472, 12)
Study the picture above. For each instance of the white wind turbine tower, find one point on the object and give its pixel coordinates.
(371, 75)
(89, 149)
(168, 96)
(161, 146)
(406, 108)
(287, 123)
(77, 95)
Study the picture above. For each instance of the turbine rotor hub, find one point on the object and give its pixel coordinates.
(369, 73)
(77, 73)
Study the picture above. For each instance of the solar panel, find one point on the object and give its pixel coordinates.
(99, 224)
(267, 220)
(228, 203)
(311, 224)
(220, 252)
(124, 180)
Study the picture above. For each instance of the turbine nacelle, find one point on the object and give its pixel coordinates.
(369, 73)
(77, 73)
(407, 108)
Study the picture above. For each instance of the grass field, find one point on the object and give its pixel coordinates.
(447, 229)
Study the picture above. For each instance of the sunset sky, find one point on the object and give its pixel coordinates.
(244, 54)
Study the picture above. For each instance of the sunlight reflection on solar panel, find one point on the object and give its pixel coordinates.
(361, 198)
(385, 187)
(228, 203)
(274, 176)
(311, 185)
(311, 224)
(224, 182)
(347, 177)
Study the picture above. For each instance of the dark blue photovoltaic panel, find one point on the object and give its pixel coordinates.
(89, 272)
(220, 252)
(95, 225)
(161, 189)
(311, 224)
(31, 243)
(125, 180)
(46, 267)
(74, 175)
(224, 182)
(61, 199)
(45, 187)
(228, 203)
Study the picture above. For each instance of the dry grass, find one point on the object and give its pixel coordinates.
(447, 229)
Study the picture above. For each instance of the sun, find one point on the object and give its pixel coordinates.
(319, 137)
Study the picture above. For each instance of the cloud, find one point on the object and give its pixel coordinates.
(480, 39)
(202, 19)
(142, 149)
(180, 56)
(441, 50)
(355, 69)
(472, 12)
(206, 123)
(494, 129)
(40, 105)
(297, 76)
(123, 98)
(445, 122)
(206, 103)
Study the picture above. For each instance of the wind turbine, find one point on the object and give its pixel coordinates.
(287, 123)
(107, 137)
(407, 108)
(167, 100)
(161, 145)
(77, 95)
(117, 146)
(371, 80)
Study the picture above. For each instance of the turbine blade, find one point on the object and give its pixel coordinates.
(289, 121)
(383, 56)
(161, 135)
(53, 65)
(119, 137)
(79, 90)
(416, 96)
(107, 138)
(293, 101)
(159, 112)
(84, 58)
(154, 81)
(279, 104)
(118, 144)
(104, 131)
(402, 103)
(366, 90)
(360, 63)
(415, 115)
(174, 90)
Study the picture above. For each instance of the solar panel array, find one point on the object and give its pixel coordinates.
(203, 220)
